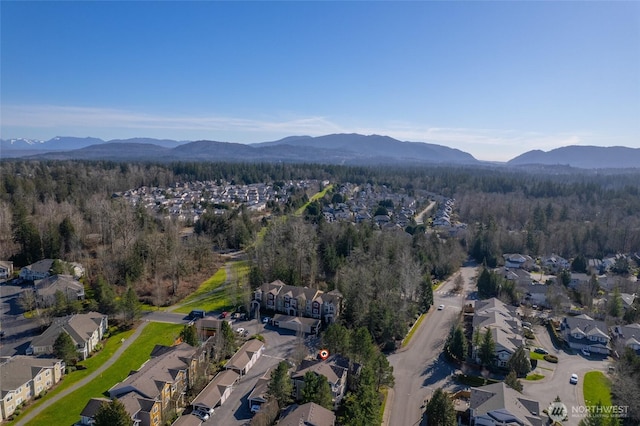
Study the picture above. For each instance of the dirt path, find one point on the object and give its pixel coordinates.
(36, 411)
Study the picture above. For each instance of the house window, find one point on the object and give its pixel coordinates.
(47, 373)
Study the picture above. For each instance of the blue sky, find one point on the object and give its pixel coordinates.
(494, 79)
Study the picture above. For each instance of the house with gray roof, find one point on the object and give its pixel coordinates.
(504, 324)
(309, 414)
(46, 289)
(86, 331)
(335, 374)
(258, 395)
(217, 391)
(583, 332)
(498, 404)
(628, 335)
(37, 271)
(245, 357)
(22, 378)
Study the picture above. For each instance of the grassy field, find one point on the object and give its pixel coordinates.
(534, 376)
(67, 410)
(596, 388)
(535, 355)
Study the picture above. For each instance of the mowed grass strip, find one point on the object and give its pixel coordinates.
(209, 285)
(596, 388)
(112, 344)
(313, 198)
(67, 410)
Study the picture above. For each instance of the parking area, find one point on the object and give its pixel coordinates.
(18, 330)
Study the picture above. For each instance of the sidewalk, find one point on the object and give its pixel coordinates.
(33, 413)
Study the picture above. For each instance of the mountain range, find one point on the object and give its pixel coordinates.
(348, 149)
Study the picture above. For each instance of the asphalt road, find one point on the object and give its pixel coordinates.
(419, 369)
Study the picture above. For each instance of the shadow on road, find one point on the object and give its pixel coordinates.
(439, 370)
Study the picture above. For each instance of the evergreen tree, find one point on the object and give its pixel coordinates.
(615, 308)
(281, 386)
(457, 343)
(487, 349)
(579, 264)
(226, 343)
(130, 305)
(106, 297)
(487, 284)
(440, 410)
(512, 381)
(189, 335)
(426, 293)
(316, 389)
(336, 339)
(65, 349)
(363, 407)
(112, 414)
(519, 362)
(383, 371)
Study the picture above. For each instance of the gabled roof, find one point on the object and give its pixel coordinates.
(584, 324)
(241, 358)
(149, 380)
(42, 266)
(92, 407)
(20, 369)
(309, 414)
(64, 283)
(79, 327)
(333, 372)
(504, 404)
(212, 393)
(259, 391)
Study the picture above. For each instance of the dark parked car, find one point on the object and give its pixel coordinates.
(197, 313)
(541, 351)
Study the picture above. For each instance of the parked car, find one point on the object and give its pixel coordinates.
(265, 320)
(224, 314)
(197, 313)
(201, 415)
(240, 330)
(542, 351)
(245, 333)
(204, 409)
(440, 307)
(585, 352)
(574, 379)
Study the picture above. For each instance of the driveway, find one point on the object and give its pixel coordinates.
(556, 380)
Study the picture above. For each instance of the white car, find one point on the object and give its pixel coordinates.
(441, 307)
(265, 320)
(240, 330)
(585, 352)
(201, 415)
(574, 379)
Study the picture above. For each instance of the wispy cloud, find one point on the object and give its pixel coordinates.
(487, 144)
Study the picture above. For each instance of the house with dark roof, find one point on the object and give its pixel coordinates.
(245, 357)
(86, 331)
(142, 411)
(309, 414)
(335, 374)
(297, 324)
(37, 271)
(46, 289)
(498, 405)
(298, 301)
(628, 335)
(583, 332)
(22, 378)
(258, 395)
(88, 413)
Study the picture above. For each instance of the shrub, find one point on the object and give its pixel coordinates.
(551, 358)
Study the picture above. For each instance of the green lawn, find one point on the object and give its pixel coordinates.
(596, 388)
(534, 376)
(67, 410)
(535, 355)
(209, 285)
(409, 335)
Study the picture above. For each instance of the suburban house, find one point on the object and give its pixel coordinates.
(258, 395)
(297, 324)
(298, 301)
(579, 279)
(86, 331)
(308, 414)
(628, 335)
(46, 289)
(535, 294)
(6, 269)
(164, 379)
(242, 361)
(336, 376)
(498, 404)
(504, 324)
(518, 261)
(217, 391)
(36, 271)
(555, 263)
(583, 332)
(143, 411)
(22, 378)
(627, 300)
